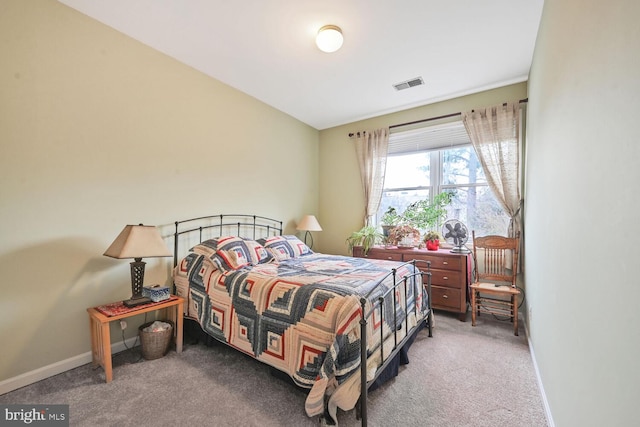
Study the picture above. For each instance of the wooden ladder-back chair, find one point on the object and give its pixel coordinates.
(494, 288)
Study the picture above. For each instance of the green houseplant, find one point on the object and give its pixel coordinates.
(390, 219)
(432, 240)
(425, 215)
(432, 235)
(366, 237)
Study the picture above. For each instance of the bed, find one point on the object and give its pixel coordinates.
(270, 296)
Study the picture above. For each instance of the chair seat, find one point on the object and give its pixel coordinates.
(492, 288)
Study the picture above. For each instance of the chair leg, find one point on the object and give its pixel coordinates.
(473, 307)
(514, 301)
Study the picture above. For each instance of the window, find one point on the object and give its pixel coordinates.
(426, 161)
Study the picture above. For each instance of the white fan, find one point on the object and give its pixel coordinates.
(456, 234)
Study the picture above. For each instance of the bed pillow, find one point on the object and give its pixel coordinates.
(226, 253)
(285, 247)
(207, 248)
(259, 254)
(232, 253)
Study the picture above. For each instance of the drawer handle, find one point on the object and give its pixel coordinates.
(445, 262)
(445, 278)
(389, 257)
(445, 296)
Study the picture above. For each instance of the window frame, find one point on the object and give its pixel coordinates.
(436, 177)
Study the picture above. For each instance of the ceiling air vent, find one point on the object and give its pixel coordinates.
(409, 83)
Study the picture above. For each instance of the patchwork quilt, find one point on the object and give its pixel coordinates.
(296, 310)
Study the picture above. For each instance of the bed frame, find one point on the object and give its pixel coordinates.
(254, 227)
(248, 226)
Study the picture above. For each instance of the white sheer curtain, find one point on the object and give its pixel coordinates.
(371, 149)
(495, 135)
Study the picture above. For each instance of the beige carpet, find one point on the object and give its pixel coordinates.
(463, 376)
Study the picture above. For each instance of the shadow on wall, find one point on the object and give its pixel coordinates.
(46, 290)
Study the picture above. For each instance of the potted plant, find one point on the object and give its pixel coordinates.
(432, 240)
(404, 236)
(425, 215)
(390, 219)
(366, 237)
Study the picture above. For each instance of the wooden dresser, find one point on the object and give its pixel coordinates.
(449, 274)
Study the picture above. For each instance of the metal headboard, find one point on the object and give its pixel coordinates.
(248, 226)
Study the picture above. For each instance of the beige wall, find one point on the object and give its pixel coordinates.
(98, 131)
(341, 194)
(581, 217)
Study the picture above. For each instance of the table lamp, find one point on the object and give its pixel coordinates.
(309, 223)
(137, 242)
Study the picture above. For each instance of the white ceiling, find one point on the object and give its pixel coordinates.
(266, 48)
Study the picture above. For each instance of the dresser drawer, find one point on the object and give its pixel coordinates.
(386, 255)
(439, 262)
(448, 278)
(446, 298)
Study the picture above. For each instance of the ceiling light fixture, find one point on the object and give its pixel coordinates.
(329, 38)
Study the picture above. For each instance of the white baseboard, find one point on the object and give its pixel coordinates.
(543, 395)
(57, 368)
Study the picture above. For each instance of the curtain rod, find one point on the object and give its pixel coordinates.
(446, 116)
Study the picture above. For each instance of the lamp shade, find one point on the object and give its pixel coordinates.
(309, 223)
(138, 241)
(329, 38)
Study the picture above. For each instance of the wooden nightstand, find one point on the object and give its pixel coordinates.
(101, 316)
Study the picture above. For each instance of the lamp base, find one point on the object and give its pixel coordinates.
(133, 302)
(305, 239)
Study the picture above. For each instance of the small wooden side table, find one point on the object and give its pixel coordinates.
(101, 316)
